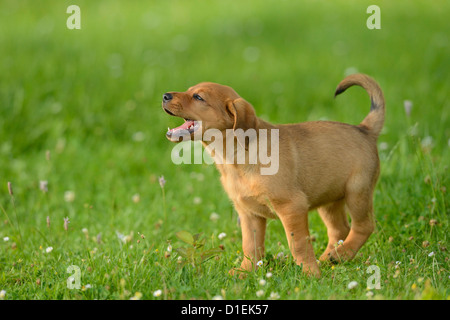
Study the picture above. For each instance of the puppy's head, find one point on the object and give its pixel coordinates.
(207, 106)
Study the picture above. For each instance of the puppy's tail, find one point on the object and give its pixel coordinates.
(375, 119)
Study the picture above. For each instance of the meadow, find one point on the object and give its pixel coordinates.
(83, 148)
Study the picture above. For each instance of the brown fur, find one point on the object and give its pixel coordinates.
(324, 165)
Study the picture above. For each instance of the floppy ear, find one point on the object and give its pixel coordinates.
(244, 115)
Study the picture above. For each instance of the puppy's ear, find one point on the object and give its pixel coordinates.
(244, 118)
(243, 114)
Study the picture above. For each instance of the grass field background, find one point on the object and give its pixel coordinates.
(81, 109)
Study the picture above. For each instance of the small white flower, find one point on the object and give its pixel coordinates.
(259, 263)
(197, 200)
(268, 274)
(262, 282)
(280, 255)
(6, 239)
(427, 142)
(138, 136)
(369, 294)
(407, 104)
(84, 230)
(214, 217)
(397, 262)
(49, 249)
(88, 286)
(169, 248)
(431, 254)
(350, 70)
(352, 285)
(2, 294)
(222, 235)
(136, 198)
(259, 293)
(274, 296)
(157, 293)
(340, 242)
(69, 196)
(43, 186)
(218, 297)
(137, 296)
(383, 146)
(162, 181)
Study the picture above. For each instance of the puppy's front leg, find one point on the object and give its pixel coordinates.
(253, 233)
(294, 217)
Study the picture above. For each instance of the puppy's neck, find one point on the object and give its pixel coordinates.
(238, 147)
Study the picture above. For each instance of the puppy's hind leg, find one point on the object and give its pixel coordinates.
(360, 205)
(336, 221)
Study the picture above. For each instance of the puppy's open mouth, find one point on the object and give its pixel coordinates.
(186, 129)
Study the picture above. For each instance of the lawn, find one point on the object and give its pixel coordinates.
(83, 147)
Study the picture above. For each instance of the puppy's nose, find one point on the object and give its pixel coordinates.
(167, 97)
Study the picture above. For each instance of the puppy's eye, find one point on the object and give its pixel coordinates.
(197, 97)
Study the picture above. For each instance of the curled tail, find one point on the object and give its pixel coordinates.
(375, 119)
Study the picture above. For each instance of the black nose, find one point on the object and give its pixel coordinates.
(167, 97)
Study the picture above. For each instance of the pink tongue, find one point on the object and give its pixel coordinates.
(184, 126)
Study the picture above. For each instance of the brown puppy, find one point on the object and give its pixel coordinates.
(324, 165)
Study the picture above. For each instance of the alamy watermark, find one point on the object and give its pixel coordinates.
(374, 21)
(74, 281)
(238, 146)
(74, 20)
(373, 282)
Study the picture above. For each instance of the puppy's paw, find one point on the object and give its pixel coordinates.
(241, 273)
(340, 254)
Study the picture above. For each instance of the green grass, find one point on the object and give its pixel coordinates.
(90, 98)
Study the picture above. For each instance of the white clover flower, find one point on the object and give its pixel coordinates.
(49, 249)
(274, 296)
(136, 198)
(138, 136)
(383, 146)
(69, 196)
(137, 296)
(259, 293)
(6, 239)
(352, 285)
(218, 297)
(427, 142)
(222, 235)
(268, 274)
(197, 200)
(214, 217)
(369, 294)
(2, 294)
(157, 293)
(262, 282)
(431, 254)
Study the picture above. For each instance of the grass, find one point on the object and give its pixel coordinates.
(81, 110)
